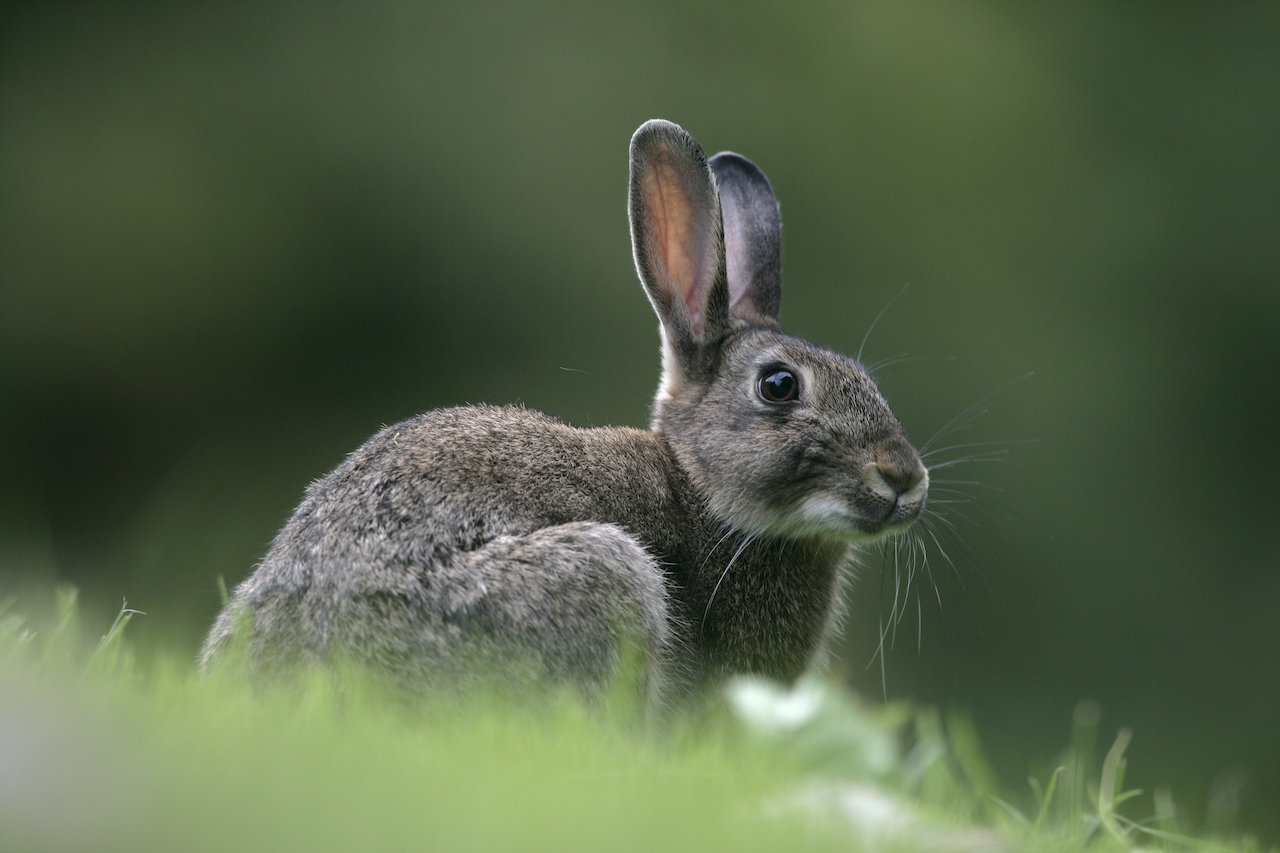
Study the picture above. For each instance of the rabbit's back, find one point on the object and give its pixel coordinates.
(454, 478)
(444, 548)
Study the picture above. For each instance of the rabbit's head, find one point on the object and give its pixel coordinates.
(782, 437)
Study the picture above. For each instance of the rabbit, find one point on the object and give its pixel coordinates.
(495, 544)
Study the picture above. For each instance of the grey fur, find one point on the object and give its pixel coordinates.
(480, 543)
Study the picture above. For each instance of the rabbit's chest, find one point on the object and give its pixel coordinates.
(766, 609)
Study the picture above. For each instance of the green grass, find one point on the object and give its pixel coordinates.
(100, 754)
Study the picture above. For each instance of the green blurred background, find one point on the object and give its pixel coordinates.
(235, 240)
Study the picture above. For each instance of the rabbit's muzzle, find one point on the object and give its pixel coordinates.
(898, 489)
(880, 497)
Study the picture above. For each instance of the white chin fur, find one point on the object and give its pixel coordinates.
(823, 511)
(824, 516)
(820, 515)
(827, 515)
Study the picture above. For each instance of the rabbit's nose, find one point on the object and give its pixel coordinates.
(902, 478)
(895, 477)
(900, 484)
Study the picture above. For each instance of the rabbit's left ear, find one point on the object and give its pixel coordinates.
(752, 239)
(676, 238)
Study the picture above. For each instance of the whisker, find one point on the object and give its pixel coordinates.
(958, 513)
(1010, 513)
(954, 530)
(957, 495)
(993, 456)
(919, 625)
(950, 562)
(971, 413)
(746, 540)
(937, 591)
(902, 358)
(890, 360)
(883, 631)
(957, 423)
(961, 497)
(900, 593)
(858, 357)
(728, 533)
(884, 681)
(979, 444)
(951, 485)
(893, 605)
(962, 488)
(951, 525)
(886, 628)
(913, 556)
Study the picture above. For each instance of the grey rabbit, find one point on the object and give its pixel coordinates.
(494, 544)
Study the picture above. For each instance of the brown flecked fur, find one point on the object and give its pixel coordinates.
(485, 544)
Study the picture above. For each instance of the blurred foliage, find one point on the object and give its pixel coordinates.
(103, 754)
(236, 239)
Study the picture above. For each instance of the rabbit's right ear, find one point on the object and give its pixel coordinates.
(677, 242)
(752, 239)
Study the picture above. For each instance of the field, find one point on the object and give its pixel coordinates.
(103, 753)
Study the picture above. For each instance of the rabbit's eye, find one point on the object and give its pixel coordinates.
(778, 386)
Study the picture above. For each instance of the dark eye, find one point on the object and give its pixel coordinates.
(778, 386)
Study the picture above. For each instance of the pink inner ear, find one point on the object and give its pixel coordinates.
(735, 265)
(672, 228)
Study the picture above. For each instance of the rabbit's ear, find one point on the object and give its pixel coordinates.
(752, 239)
(676, 238)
